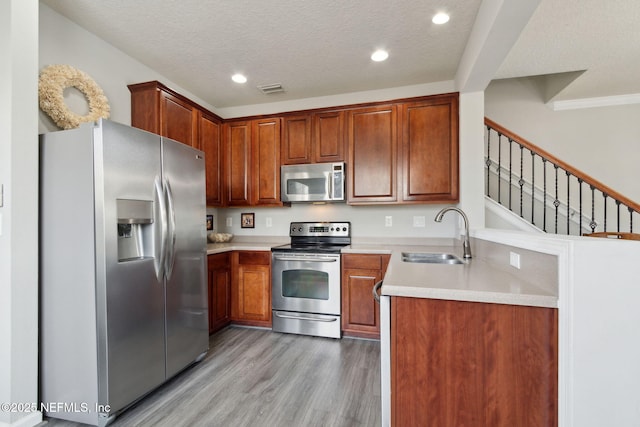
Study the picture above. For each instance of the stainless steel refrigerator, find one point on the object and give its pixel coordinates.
(123, 296)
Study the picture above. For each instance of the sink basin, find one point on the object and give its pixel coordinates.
(431, 258)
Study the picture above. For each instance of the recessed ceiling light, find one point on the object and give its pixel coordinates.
(239, 78)
(440, 18)
(379, 55)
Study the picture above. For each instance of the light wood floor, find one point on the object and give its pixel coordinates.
(255, 377)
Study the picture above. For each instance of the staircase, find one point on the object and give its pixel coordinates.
(549, 194)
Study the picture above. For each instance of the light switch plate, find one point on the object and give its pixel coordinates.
(419, 221)
(229, 221)
(514, 259)
(268, 222)
(388, 221)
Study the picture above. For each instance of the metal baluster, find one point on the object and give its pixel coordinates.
(499, 165)
(568, 203)
(593, 223)
(618, 215)
(556, 202)
(521, 181)
(544, 195)
(630, 220)
(510, 171)
(605, 210)
(533, 186)
(580, 206)
(488, 161)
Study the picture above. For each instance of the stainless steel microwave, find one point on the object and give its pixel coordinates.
(318, 182)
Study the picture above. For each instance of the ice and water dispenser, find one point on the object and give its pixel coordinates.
(135, 229)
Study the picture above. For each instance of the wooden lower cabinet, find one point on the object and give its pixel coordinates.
(360, 312)
(219, 278)
(251, 288)
(459, 363)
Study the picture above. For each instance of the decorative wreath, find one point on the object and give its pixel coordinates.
(54, 79)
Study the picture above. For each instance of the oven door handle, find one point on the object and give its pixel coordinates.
(314, 319)
(291, 258)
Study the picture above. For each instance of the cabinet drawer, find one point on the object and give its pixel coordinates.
(219, 260)
(363, 261)
(254, 258)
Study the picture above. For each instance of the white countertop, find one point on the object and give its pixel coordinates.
(241, 243)
(477, 280)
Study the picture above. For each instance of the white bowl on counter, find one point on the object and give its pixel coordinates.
(219, 237)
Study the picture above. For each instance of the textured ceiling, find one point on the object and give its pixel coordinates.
(600, 37)
(322, 47)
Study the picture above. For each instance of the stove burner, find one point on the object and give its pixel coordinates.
(318, 237)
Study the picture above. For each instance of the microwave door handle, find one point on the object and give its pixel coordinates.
(330, 185)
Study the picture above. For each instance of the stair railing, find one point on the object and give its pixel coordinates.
(551, 194)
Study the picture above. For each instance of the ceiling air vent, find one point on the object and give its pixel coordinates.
(272, 88)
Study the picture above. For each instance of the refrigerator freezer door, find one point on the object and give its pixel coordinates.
(186, 288)
(130, 298)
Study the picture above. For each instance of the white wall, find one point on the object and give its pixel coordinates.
(366, 221)
(64, 42)
(603, 348)
(19, 209)
(602, 142)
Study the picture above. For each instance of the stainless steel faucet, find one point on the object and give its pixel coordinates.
(466, 247)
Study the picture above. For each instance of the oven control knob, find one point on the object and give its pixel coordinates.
(344, 228)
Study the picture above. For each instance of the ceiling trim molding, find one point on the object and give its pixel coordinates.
(603, 101)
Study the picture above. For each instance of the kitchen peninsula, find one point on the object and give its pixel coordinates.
(562, 282)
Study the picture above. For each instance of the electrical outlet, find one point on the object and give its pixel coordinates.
(268, 222)
(229, 221)
(514, 259)
(418, 221)
(388, 221)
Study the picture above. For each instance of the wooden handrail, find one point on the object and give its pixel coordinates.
(556, 161)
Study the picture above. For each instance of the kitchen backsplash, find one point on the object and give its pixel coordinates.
(367, 221)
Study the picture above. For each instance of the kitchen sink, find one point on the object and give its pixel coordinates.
(431, 258)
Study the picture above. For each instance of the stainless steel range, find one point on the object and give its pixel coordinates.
(306, 279)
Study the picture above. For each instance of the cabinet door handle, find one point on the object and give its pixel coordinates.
(375, 291)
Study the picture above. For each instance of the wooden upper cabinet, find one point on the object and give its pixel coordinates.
(179, 120)
(372, 158)
(155, 108)
(328, 136)
(296, 140)
(429, 150)
(266, 162)
(313, 138)
(237, 148)
(252, 164)
(145, 106)
(210, 141)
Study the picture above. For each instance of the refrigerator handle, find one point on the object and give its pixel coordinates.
(171, 237)
(160, 240)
